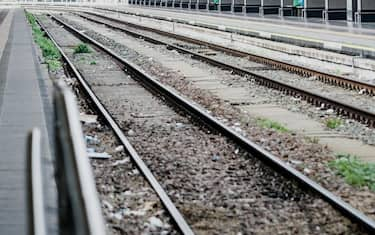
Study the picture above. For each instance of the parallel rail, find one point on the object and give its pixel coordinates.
(182, 225)
(170, 95)
(300, 70)
(341, 108)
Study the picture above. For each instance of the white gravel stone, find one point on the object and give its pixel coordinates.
(131, 133)
(119, 148)
(155, 223)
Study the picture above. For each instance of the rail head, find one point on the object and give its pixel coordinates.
(36, 219)
(75, 180)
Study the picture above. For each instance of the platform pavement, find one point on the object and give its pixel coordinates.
(343, 39)
(24, 104)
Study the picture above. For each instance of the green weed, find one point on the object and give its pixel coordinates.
(50, 53)
(93, 62)
(266, 123)
(333, 123)
(82, 48)
(54, 65)
(354, 171)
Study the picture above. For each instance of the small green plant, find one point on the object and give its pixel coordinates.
(50, 53)
(354, 171)
(266, 123)
(82, 48)
(333, 123)
(54, 65)
(93, 62)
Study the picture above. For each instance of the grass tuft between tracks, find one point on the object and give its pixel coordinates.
(266, 123)
(333, 123)
(50, 53)
(354, 171)
(82, 48)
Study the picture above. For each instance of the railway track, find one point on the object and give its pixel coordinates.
(167, 203)
(331, 79)
(347, 83)
(351, 111)
(300, 70)
(202, 117)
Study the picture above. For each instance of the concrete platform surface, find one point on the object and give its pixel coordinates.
(23, 104)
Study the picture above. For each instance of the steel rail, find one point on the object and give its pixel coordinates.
(300, 70)
(209, 120)
(36, 218)
(165, 199)
(341, 108)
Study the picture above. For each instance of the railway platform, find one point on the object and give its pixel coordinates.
(344, 37)
(25, 103)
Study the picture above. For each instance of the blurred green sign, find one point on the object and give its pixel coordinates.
(298, 3)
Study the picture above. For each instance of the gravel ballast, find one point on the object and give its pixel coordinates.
(128, 202)
(215, 184)
(356, 68)
(303, 154)
(349, 128)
